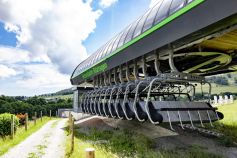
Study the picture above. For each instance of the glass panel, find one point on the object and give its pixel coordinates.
(93, 58)
(131, 31)
(116, 42)
(123, 36)
(82, 66)
(111, 46)
(90, 59)
(151, 17)
(163, 11)
(87, 63)
(108, 46)
(97, 55)
(140, 25)
(102, 51)
(176, 5)
(77, 71)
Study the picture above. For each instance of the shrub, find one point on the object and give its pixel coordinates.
(220, 80)
(235, 80)
(22, 118)
(5, 124)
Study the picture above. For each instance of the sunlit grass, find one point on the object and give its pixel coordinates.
(228, 126)
(80, 145)
(123, 143)
(230, 113)
(21, 134)
(68, 96)
(217, 89)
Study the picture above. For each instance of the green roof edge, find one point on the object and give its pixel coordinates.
(149, 31)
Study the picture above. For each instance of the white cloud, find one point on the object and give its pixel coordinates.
(6, 72)
(51, 29)
(50, 36)
(10, 55)
(43, 76)
(107, 3)
(28, 75)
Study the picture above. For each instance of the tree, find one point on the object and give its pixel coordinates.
(235, 80)
(219, 80)
(229, 75)
(32, 105)
(6, 107)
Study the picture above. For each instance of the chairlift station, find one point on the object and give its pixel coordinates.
(154, 69)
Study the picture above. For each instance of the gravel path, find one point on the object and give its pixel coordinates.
(47, 142)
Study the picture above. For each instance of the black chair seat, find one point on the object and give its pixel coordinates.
(97, 108)
(155, 116)
(113, 110)
(107, 110)
(101, 109)
(120, 110)
(129, 110)
(141, 111)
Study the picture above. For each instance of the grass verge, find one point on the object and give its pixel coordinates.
(228, 126)
(123, 143)
(21, 134)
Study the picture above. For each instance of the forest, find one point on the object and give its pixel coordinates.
(21, 105)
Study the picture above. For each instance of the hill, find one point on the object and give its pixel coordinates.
(62, 94)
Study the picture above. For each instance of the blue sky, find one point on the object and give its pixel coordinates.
(113, 20)
(7, 38)
(42, 41)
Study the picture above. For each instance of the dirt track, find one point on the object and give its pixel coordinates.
(48, 142)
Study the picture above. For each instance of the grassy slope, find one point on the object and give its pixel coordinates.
(123, 143)
(230, 112)
(80, 147)
(217, 89)
(59, 96)
(228, 125)
(20, 135)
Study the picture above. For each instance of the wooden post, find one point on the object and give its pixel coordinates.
(70, 122)
(72, 140)
(12, 126)
(26, 122)
(50, 113)
(35, 118)
(90, 153)
(41, 116)
(56, 113)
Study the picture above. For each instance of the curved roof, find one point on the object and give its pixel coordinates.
(153, 16)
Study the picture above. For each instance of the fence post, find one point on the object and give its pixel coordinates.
(90, 153)
(12, 126)
(56, 113)
(26, 121)
(50, 113)
(70, 122)
(41, 116)
(35, 118)
(72, 130)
